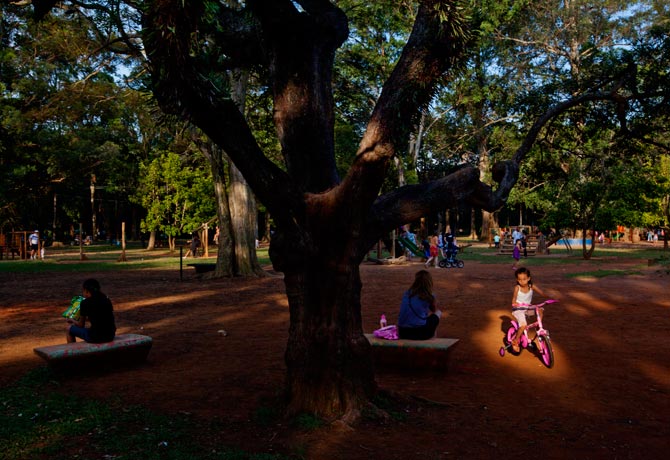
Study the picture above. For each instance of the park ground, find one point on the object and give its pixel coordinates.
(607, 397)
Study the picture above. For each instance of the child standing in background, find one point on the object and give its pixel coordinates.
(516, 254)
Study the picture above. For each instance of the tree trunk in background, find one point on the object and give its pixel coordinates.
(489, 222)
(473, 224)
(152, 240)
(224, 256)
(241, 200)
(244, 225)
(587, 252)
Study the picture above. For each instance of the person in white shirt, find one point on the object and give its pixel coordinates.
(34, 241)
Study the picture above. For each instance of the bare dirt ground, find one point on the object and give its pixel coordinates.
(607, 397)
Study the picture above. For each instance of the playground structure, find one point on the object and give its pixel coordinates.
(15, 244)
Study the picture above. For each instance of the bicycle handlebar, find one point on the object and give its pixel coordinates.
(528, 307)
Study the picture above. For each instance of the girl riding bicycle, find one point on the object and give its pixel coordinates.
(522, 297)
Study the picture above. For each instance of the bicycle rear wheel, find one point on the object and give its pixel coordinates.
(507, 340)
(546, 352)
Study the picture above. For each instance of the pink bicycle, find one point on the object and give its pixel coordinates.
(540, 343)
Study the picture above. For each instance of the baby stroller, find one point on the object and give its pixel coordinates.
(450, 260)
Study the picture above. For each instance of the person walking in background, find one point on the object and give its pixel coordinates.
(34, 242)
(195, 244)
(516, 254)
(433, 252)
(516, 235)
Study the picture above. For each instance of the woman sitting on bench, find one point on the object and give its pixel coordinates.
(419, 315)
(97, 308)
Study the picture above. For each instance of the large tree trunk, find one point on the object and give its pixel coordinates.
(224, 256)
(328, 358)
(244, 225)
(225, 265)
(242, 203)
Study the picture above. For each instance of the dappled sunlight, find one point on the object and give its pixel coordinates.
(655, 372)
(587, 298)
(174, 298)
(490, 341)
(602, 338)
(578, 310)
(477, 285)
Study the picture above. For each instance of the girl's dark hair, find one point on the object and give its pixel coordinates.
(422, 286)
(92, 285)
(521, 270)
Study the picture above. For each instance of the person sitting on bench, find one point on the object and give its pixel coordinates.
(419, 316)
(97, 309)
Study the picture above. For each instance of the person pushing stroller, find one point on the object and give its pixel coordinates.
(451, 247)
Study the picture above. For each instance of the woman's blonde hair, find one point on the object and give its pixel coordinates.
(422, 286)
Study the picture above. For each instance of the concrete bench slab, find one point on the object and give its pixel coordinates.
(426, 354)
(124, 349)
(202, 267)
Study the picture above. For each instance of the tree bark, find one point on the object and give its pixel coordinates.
(324, 227)
(242, 203)
(224, 256)
(244, 225)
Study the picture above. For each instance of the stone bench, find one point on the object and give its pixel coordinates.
(202, 267)
(426, 354)
(124, 349)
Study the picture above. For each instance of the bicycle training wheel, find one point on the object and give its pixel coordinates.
(547, 352)
(507, 340)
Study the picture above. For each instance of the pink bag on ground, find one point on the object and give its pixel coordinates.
(388, 332)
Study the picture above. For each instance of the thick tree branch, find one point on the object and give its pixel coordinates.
(181, 88)
(436, 45)
(301, 66)
(240, 38)
(411, 202)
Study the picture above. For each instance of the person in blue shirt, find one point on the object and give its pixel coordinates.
(419, 316)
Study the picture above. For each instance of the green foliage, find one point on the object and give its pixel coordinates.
(64, 121)
(37, 420)
(178, 197)
(308, 422)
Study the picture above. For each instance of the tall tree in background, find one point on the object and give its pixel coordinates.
(64, 120)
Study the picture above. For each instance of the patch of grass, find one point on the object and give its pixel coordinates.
(37, 422)
(68, 260)
(603, 273)
(307, 422)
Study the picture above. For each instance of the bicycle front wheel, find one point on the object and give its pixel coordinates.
(546, 351)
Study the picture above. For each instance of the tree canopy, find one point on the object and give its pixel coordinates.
(544, 80)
